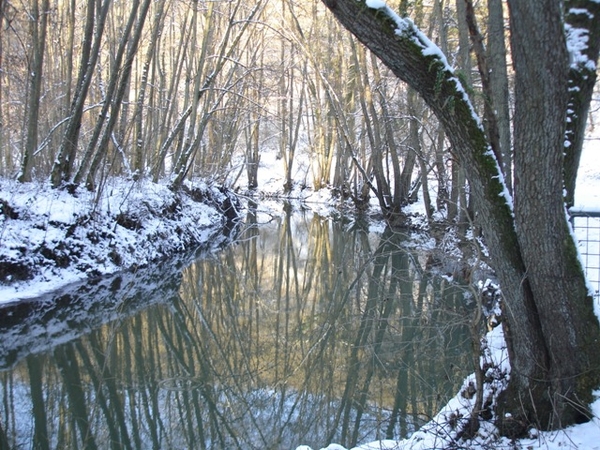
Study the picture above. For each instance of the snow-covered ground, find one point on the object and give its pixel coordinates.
(50, 238)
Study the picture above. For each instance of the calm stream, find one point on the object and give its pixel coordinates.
(303, 331)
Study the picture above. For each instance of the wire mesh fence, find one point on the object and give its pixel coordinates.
(586, 225)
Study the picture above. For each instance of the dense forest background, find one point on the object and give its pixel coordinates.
(169, 89)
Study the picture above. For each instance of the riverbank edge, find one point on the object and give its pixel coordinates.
(50, 238)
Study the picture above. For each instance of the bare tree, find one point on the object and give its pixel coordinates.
(499, 89)
(114, 94)
(94, 29)
(140, 153)
(39, 21)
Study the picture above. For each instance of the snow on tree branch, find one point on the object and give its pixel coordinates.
(406, 28)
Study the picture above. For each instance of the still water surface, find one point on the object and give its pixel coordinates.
(303, 331)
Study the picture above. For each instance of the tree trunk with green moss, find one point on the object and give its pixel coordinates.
(550, 327)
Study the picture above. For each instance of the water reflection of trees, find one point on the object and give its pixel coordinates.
(305, 331)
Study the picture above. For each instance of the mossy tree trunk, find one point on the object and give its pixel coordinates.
(550, 327)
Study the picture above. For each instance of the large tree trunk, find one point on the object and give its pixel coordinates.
(553, 269)
(537, 304)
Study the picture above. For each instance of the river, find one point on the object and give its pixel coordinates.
(304, 330)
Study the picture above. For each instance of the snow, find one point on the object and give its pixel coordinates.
(587, 190)
(577, 42)
(579, 437)
(407, 28)
(376, 4)
(581, 11)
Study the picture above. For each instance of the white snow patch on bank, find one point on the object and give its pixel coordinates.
(67, 238)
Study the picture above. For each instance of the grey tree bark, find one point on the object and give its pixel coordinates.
(541, 62)
(499, 91)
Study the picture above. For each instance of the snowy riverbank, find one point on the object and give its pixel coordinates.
(50, 238)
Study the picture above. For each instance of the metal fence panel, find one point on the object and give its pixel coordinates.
(586, 226)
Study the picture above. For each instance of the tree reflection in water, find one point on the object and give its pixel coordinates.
(305, 330)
